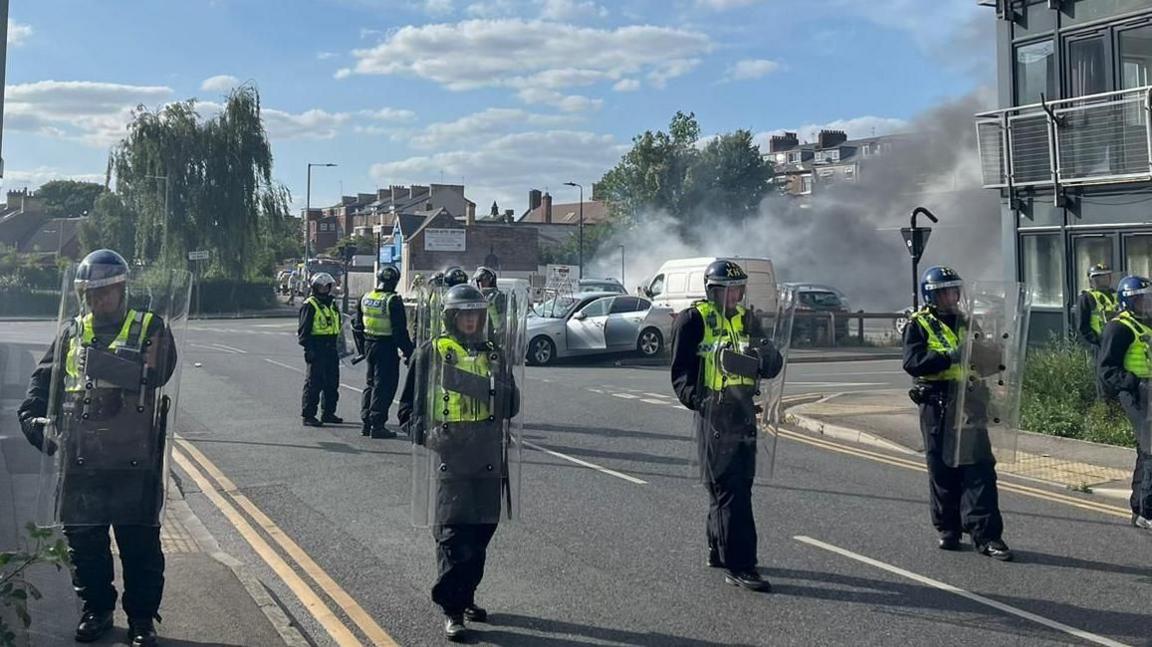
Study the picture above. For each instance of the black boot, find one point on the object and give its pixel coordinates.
(473, 613)
(714, 560)
(996, 549)
(93, 625)
(141, 632)
(749, 579)
(311, 421)
(949, 541)
(382, 432)
(454, 628)
(366, 429)
(332, 419)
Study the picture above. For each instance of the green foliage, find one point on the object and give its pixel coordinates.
(15, 589)
(363, 245)
(1060, 399)
(110, 224)
(225, 295)
(192, 184)
(69, 198)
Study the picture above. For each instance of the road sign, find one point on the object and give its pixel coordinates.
(916, 240)
(201, 255)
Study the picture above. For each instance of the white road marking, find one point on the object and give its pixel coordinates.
(1000, 606)
(293, 368)
(232, 348)
(838, 373)
(214, 348)
(836, 384)
(605, 470)
(657, 395)
(600, 391)
(626, 396)
(651, 401)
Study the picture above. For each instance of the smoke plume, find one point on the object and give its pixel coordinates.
(847, 235)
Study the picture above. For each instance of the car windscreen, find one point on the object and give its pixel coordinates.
(556, 308)
(820, 299)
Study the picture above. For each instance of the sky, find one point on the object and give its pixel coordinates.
(500, 95)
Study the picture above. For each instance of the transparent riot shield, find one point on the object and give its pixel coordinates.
(466, 438)
(987, 398)
(112, 404)
(777, 338)
(734, 357)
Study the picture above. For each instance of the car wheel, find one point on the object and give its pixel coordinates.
(650, 342)
(541, 351)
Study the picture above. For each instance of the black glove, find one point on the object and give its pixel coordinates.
(955, 355)
(34, 431)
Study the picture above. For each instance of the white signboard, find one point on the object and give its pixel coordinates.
(444, 240)
(201, 255)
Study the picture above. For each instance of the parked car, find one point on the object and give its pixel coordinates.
(593, 323)
(680, 282)
(816, 298)
(602, 285)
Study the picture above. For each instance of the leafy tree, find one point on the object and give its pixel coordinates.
(651, 175)
(110, 224)
(69, 198)
(363, 245)
(729, 177)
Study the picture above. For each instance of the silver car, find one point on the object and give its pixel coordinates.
(595, 322)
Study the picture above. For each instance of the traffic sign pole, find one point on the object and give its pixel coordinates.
(916, 239)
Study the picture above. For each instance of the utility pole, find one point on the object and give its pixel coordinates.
(580, 243)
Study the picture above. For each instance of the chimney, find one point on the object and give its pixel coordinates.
(383, 194)
(783, 142)
(534, 197)
(547, 205)
(830, 138)
(469, 217)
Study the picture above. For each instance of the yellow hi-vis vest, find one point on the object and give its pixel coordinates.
(450, 406)
(326, 320)
(1104, 311)
(943, 340)
(375, 307)
(74, 372)
(721, 332)
(1136, 359)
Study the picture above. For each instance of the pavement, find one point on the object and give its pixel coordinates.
(609, 546)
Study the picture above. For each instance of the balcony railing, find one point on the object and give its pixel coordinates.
(1098, 139)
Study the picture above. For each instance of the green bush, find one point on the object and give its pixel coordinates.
(222, 295)
(1060, 398)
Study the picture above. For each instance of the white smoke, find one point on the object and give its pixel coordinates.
(848, 235)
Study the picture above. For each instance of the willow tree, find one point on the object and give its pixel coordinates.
(201, 184)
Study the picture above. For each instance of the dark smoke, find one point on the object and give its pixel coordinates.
(847, 235)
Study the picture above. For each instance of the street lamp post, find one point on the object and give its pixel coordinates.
(580, 244)
(622, 281)
(307, 229)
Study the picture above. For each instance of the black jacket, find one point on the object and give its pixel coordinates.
(1114, 342)
(1085, 306)
(399, 318)
(687, 333)
(304, 330)
(919, 360)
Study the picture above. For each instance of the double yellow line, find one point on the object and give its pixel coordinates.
(1036, 493)
(222, 492)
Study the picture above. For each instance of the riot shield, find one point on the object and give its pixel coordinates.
(985, 417)
(112, 404)
(734, 357)
(466, 440)
(777, 331)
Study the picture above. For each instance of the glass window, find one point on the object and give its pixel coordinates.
(696, 283)
(677, 282)
(1043, 260)
(805, 184)
(656, 288)
(597, 308)
(1135, 56)
(624, 304)
(1138, 255)
(1087, 67)
(1035, 72)
(1090, 250)
(1085, 10)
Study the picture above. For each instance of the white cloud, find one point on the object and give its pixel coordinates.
(526, 54)
(570, 9)
(220, 83)
(565, 102)
(439, 7)
(389, 114)
(724, 5)
(88, 111)
(504, 168)
(321, 124)
(324, 56)
(749, 69)
(626, 85)
(855, 128)
(491, 8)
(481, 126)
(18, 34)
(32, 178)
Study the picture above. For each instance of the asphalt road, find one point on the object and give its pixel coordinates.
(610, 547)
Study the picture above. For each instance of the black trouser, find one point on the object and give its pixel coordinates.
(1141, 499)
(141, 559)
(461, 550)
(727, 437)
(964, 498)
(731, 526)
(383, 377)
(322, 379)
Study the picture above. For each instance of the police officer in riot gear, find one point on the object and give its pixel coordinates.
(108, 337)
(725, 413)
(1096, 305)
(456, 398)
(1124, 369)
(380, 331)
(964, 498)
(485, 280)
(454, 276)
(319, 333)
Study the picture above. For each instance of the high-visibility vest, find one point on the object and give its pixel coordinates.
(943, 340)
(721, 332)
(1136, 359)
(326, 319)
(375, 307)
(450, 406)
(1105, 309)
(74, 372)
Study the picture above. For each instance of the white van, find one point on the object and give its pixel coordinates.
(680, 282)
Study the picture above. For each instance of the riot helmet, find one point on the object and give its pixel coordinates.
(454, 276)
(1135, 296)
(322, 284)
(940, 287)
(484, 278)
(724, 282)
(1100, 277)
(387, 278)
(465, 313)
(100, 283)
(436, 280)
